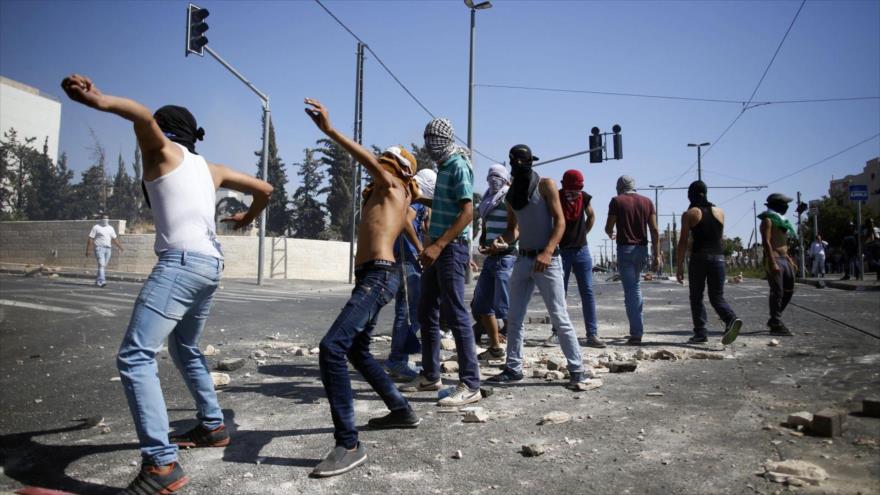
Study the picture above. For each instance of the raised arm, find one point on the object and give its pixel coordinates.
(230, 179)
(318, 113)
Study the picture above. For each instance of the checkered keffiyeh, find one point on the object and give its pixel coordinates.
(440, 141)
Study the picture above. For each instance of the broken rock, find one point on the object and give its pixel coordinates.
(664, 355)
(828, 422)
(589, 384)
(802, 418)
(794, 469)
(457, 454)
(554, 375)
(447, 344)
(211, 351)
(622, 367)
(533, 450)
(230, 364)
(449, 366)
(555, 418)
(773, 343)
(556, 364)
(475, 415)
(220, 379)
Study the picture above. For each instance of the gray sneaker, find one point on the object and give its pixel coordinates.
(460, 397)
(421, 384)
(340, 460)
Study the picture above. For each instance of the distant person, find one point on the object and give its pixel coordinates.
(776, 230)
(632, 215)
(492, 293)
(175, 301)
(850, 246)
(817, 252)
(535, 217)
(100, 238)
(871, 249)
(445, 260)
(385, 205)
(706, 222)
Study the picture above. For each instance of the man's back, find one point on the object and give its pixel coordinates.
(633, 213)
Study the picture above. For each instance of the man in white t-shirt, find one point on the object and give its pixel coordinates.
(817, 251)
(101, 237)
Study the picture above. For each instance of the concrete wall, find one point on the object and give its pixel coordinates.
(32, 113)
(63, 244)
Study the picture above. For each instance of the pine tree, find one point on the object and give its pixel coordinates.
(308, 219)
(90, 195)
(121, 204)
(136, 191)
(17, 160)
(48, 187)
(340, 167)
(278, 216)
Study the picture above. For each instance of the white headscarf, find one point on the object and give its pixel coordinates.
(499, 182)
(426, 179)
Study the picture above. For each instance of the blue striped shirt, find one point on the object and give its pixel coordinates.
(455, 182)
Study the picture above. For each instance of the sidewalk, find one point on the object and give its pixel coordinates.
(833, 281)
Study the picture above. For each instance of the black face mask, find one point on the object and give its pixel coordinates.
(179, 126)
(525, 181)
(780, 208)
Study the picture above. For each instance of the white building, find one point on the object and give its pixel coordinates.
(32, 113)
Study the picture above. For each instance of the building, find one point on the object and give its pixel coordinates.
(870, 176)
(32, 113)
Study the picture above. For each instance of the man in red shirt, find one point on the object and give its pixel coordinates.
(632, 214)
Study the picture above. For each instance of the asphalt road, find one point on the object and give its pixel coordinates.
(705, 434)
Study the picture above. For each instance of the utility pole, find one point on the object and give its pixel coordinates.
(356, 167)
(859, 238)
(800, 238)
(699, 158)
(755, 220)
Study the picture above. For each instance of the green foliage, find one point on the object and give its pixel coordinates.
(731, 245)
(278, 218)
(309, 212)
(422, 157)
(17, 159)
(340, 168)
(835, 216)
(48, 191)
(122, 203)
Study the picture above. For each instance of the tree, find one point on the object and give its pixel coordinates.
(137, 193)
(278, 216)
(48, 190)
(308, 217)
(423, 159)
(340, 168)
(122, 203)
(731, 246)
(90, 195)
(835, 217)
(17, 159)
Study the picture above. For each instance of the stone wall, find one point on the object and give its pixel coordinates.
(63, 244)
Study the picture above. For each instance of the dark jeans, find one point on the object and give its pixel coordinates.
(781, 289)
(405, 336)
(708, 270)
(350, 337)
(443, 292)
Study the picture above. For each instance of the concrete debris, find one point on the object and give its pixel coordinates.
(457, 454)
(828, 422)
(773, 343)
(871, 407)
(211, 351)
(555, 418)
(664, 355)
(533, 450)
(486, 391)
(220, 379)
(589, 384)
(865, 442)
(475, 415)
(314, 351)
(116, 379)
(706, 355)
(230, 364)
(556, 364)
(654, 394)
(554, 375)
(92, 421)
(258, 354)
(802, 418)
(382, 338)
(642, 355)
(447, 344)
(449, 366)
(248, 475)
(300, 351)
(540, 372)
(794, 472)
(622, 367)
(277, 336)
(37, 401)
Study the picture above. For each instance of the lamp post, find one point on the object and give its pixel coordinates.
(657, 208)
(699, 158)
(470, 123)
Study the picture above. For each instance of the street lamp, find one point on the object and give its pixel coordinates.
(470, 130)
(699, 163)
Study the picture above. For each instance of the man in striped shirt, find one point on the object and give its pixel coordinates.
(445, 259)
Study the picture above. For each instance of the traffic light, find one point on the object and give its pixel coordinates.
(195, 29)
(595, 146)
(801, 207)
(617, 139)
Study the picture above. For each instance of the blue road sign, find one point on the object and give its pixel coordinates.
(858, 192)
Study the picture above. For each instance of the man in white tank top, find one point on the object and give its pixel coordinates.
(176, 299)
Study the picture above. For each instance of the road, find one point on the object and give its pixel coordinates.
(705, 434)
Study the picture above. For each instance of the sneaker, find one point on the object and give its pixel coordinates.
(631, 340)
(402, 370)
(698, 338)
(404, 418)
(462, 396)
(421, 384)
(491, 353)
(731, 331)
(340, 460)
(506, 376)
(202, 437)
(552, 340)
(595, 341)
(157, 480)
(574, 379)
(780, 329)
(101, 285)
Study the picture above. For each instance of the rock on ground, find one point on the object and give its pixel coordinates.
(802, 418)
(230, 364)
(220, 379)
(555, 418)
(533, 450)
(794, 470)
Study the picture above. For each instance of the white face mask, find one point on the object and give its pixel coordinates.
(105, 222)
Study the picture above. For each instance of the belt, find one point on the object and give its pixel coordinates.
(376, 265)
(533, 253)
(459, 240)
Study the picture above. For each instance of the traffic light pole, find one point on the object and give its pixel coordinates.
(265, 155)
(801, 262)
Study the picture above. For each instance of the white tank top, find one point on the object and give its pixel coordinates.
(183, 208)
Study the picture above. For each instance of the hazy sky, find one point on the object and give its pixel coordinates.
(290, 50)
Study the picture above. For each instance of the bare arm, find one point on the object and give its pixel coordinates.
(116, 241)
(591, 218)
(89, 244)
(464, 218)
(511, 234)
(609, 226)
(410, 232)
(318, 114)
(655, 241)
(551, 197)
(682, 245)
(260, 190)
(769, 256)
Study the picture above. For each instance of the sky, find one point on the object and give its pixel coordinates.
(292, 50)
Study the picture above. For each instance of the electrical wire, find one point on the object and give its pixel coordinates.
(393, 76)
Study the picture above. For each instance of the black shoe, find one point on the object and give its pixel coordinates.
(506, 376)
(698, 338)
(404, 418)
(631, 340)
(731, 331)
(596, 342)
(780, 329)
(340, 460)
(157, 480)
(202, 437)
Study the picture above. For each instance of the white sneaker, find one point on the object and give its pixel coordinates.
(421, 384)
(462, 396)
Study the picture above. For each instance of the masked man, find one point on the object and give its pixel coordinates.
(781, 269)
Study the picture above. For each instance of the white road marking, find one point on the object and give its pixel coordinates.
(41, 307)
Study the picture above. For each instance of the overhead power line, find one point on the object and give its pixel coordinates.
(393, 76)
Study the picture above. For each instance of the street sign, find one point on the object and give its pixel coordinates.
(814, 206)
(858, 192)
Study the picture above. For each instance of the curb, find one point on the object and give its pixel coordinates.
(108, 276)
(834, 284)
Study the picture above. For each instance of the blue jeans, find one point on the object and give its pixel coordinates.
(349, 337)
(102, 255)
(405, 336)
(580, 261)
(443, 291)
(708, 270)
(174, 303)
(492, 292)
(631, 260)
(550, 284)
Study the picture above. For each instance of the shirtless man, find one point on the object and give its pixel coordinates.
(377, 276)
(176, 299)
(781, 268)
